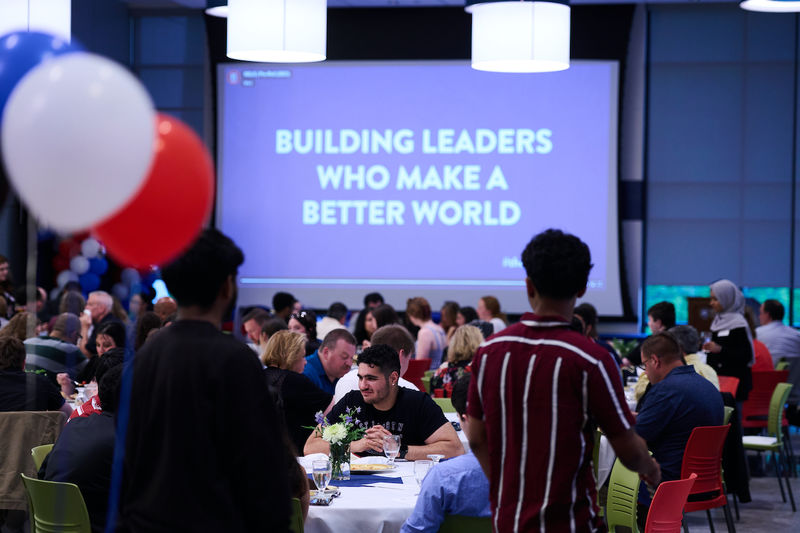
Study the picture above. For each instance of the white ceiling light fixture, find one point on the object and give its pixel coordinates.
(771, 6)
(521, 36)
(46, 16)
(277, 31)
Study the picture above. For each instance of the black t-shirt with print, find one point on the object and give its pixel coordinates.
(414, 416)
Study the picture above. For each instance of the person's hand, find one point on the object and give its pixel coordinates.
(86, 321)
(65, 382)
(652, 473)
(366, 344)
(712, 347)
(367, 444)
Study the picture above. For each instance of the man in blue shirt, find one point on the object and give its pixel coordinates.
(457, 486)
(679, 401)
(332, 361)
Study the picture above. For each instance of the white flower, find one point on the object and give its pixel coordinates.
(334, 433)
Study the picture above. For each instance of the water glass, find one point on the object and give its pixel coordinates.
(421, 469)
(391, 447)
(321, 472)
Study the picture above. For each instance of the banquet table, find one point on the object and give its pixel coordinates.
(377, 507)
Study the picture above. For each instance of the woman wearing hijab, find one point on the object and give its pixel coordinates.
(730, 351)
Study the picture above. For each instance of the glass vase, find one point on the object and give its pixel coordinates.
(340, 460)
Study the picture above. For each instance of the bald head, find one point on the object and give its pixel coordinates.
(164, 307)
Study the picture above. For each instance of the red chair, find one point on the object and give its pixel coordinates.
(703, 456)
(756, 409)
(666, 510)
(416, 370)
(728, 384)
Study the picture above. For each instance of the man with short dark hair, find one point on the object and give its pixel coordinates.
(661, 317)
(534, 392)
(783, 342)
(25, 391)
(283, 305)
(57, 353)
(400, 340)
(457, 486)
(332, 361)
(253, 321)
(335, 319)
(679, 401)
(388, 409)
(204, 450)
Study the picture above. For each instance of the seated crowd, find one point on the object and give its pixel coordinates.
(213, 424)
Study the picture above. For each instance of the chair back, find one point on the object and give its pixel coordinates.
(623, 492)
(703, 456)
(416, 369)
(454, 523)
(666, 510)
(757, 404)
(782, 365)
(55, 506)
(728, 384)
(776, 406)
(39, 453)
(726, 417)
(445, 404)
(296, 524)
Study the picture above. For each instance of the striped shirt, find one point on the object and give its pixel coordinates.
(54, 356)
(538, 387)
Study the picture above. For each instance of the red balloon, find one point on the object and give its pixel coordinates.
(167, 213)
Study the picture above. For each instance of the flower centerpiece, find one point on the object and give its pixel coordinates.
(339, 435)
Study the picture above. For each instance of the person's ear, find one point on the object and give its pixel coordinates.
(529, 287)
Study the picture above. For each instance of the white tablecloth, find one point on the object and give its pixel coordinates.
(382, 508)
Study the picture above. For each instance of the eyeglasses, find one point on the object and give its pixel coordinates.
(643, 366)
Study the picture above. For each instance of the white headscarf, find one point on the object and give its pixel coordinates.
(732, 315)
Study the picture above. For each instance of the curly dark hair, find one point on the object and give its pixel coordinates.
(381, 356)
(557, 264)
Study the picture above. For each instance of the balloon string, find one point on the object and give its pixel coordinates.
(30, 274)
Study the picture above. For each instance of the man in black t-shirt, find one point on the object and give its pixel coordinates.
(25, 391)
(388, 409)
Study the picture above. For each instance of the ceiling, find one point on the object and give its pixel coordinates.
(200, 4)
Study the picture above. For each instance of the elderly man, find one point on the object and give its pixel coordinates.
(386, 409)
(99, 312)
(57, 353)
(332, 361)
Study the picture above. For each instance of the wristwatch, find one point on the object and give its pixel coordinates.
(403, 452)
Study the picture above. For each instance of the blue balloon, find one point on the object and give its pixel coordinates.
(21, 51)
(89, 281)
(98, 265)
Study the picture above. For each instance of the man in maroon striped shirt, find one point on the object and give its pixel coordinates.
(538, 390)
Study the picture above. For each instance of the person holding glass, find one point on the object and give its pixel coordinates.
(730, 350)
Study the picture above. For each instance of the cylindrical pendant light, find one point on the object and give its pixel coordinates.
(277, 31)
(771, 6)
(46, 16)
(520, 36)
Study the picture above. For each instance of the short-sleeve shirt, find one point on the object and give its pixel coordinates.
(316, 373)
(414, 416)
(53, 356)
(673, 407)
(537, 386)
(26, 391)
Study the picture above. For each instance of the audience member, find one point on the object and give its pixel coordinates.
(762, 357)
(550, 380)
(84, 452)
(332, 361)
(270, 328)
(459, 356)
(305, 323)
(57, 353)
(371, 300)
(108, 335)
(401, 341)
(388, 409)
(457, 486)
(72, 302)
(7, 286)
(283, 305)
(21, 326)
(146, 324)
(25, 391)
(431, 339)
(110, 359)
(588, 315)
(367, 328)
(253, 321)
(487, 329)
(335, 319)
(783, 342)
(298, 397)
(164, 307)
(660, 317)
(449, 315)
(202, 413)
(467, 315)
(99, 312)
(489, 311)
(730, 351)
(118, 311)
(679, 401)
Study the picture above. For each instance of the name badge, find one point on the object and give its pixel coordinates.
(723, 333)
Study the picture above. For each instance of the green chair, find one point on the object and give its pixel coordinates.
(782, 365)
(55, 507)
(623, 493)
(445, 404)
(426, 383)
(296, 521)
(454, 523)
(39, 453)
(774, 442)
(727, 416)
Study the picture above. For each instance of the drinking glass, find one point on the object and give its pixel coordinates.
(391, 447)
(321, 472)
(435, 457)
(421, 468)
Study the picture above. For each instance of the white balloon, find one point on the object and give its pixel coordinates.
(90, 248)
(79, 265)
(120, 290)
(65, 276)
(130, 276)
(55, 292)
(78, 134)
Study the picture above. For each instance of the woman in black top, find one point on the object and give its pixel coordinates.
(295, 395)
(730, 351)
(305, 322)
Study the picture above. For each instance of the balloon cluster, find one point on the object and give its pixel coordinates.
(86, 263)
(85, 149)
